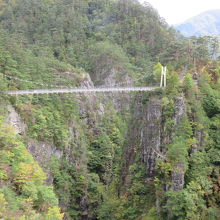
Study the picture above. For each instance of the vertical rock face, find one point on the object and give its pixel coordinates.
(92, 108)
(43, 153)
(115, 77)
(151, 136)
(144, 136)
(15, 121)
(180, 110)
(178, 177)
(148, 136)
(178, 173)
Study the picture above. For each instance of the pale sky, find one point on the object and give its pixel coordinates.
(177, 11)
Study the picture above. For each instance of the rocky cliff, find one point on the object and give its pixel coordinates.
(148, 136)
(86, 125)
(145, 159)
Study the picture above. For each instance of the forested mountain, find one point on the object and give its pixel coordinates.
(204, 24)
(106, 156)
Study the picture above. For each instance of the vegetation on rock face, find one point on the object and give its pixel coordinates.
(57, 43)
(23, 192)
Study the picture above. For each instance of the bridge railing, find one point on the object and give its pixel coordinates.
(81, 90)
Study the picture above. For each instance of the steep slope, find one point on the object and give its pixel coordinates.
(23, 189)
(204, 24)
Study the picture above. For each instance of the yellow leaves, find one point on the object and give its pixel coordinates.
(29, 172)
(23, 177)
(24, 173)
(191, 142)
(54, 214)
(7, 137)
(199, 126)
(2, 206)
(10, 154)
(3, 175)
(5, 157)
(193, 186)
(164, 167)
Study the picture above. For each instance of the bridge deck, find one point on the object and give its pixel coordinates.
(81, 90)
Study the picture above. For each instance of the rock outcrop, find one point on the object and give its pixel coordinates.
(147, 135)
(15, 121)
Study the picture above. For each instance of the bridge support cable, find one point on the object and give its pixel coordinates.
(103, 89)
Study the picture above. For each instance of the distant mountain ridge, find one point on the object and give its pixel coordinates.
(206, 23)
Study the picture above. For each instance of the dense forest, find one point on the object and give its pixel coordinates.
(137, 156)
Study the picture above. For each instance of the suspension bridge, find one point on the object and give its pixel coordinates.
(81, 90)
(91, 90)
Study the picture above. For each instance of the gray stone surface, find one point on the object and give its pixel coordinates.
(14, 120)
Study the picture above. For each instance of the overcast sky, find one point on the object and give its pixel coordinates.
(176, 11)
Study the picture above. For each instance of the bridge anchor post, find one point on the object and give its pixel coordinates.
(163, 79)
